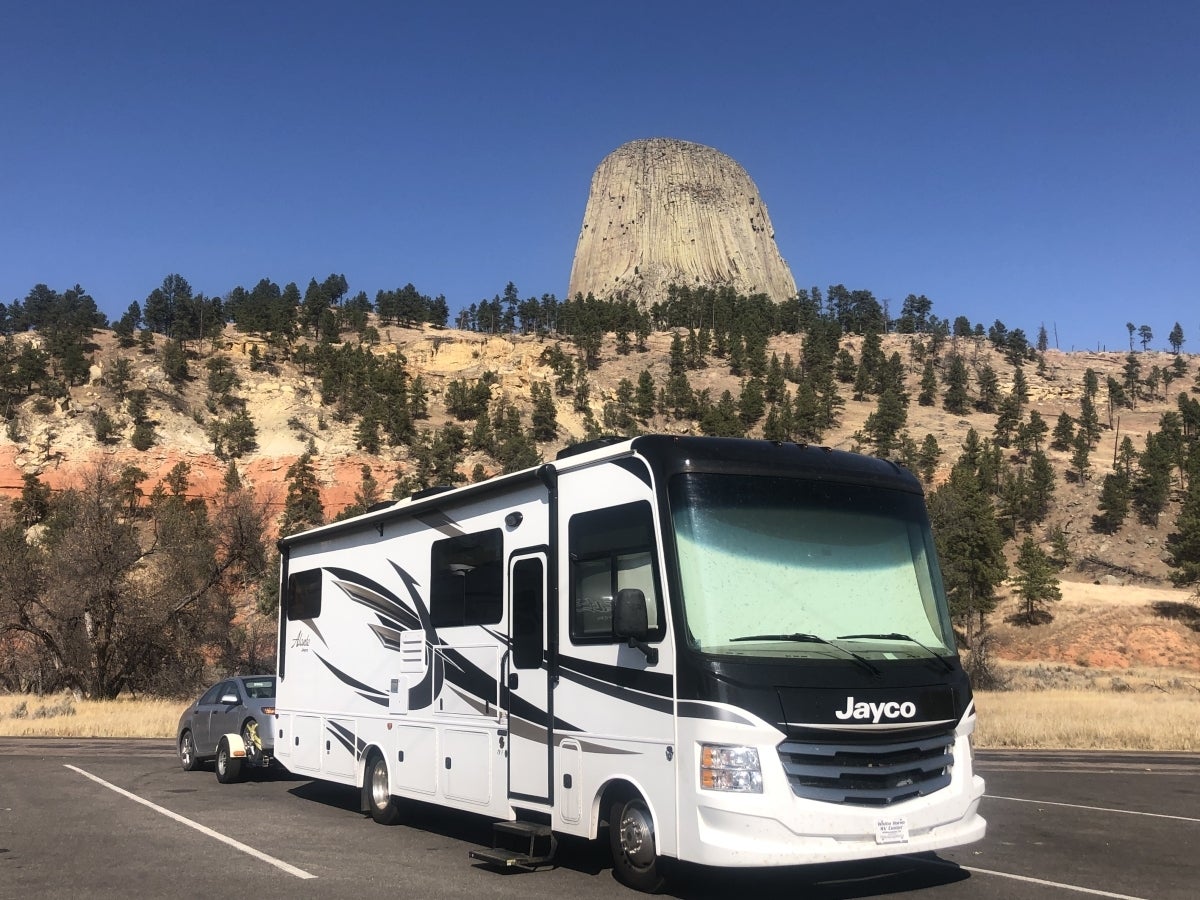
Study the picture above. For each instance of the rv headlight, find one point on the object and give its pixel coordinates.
(726, 768)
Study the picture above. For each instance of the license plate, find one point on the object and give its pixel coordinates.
(891, 831)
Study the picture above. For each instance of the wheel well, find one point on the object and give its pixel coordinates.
(368, 756)
(617, 789)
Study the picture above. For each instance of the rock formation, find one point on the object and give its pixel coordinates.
(663, 212)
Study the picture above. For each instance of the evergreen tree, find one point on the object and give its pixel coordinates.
(989, 389)
(928, 457)
(956, 398)
(1114, 503)
(1040, 488)
(970, 544)
(750, 402)
(928, 395)
(884, 425)
(1080, 458)
(1064, 432)
(544, 417)
(1036, 582)
(302, 508)
(1175, 339)
(1152, 486)
(1183, 545)
(643, 397)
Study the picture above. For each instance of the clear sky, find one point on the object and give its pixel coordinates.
(1032, 161)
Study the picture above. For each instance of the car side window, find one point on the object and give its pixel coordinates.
(212, 694)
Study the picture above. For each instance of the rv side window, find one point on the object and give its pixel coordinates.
(612, 549)
(304, 595)
(467, 580)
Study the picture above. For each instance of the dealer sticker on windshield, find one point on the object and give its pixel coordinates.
(891, 831)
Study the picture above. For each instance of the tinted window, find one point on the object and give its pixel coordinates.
(211, 695)
(467, 580)
(304, 595)
(259, 688)
(528, 603)
(611, 550)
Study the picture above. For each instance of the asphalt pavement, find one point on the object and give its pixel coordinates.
(114, 819)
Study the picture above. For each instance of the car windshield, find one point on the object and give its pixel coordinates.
(260, 688)
(763, 560)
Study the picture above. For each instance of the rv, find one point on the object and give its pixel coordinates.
(726, 652)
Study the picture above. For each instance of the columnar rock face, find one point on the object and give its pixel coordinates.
(664, 212)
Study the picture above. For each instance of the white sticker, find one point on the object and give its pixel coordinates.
(891, 831)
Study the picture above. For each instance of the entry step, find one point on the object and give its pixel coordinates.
(519, 845)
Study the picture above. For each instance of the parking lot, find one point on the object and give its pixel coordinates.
(114, 818)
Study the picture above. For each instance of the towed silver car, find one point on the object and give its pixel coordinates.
(230, 724)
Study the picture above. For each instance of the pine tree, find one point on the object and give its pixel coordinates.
(1183, 545)
(884, 425)
(1175, 339)
(989, 389)
(302, 508)
(928, 395)
(643, 397)
(928, 457)
(1064, 432)
(1114, 503)
(1036, 582)
(1080, 458)
(970, 544)
(544, 417)
(1152, 486)
(956, 397)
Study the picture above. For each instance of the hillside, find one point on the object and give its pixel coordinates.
(1118, 609)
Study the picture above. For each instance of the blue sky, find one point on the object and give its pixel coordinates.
(1032, 161)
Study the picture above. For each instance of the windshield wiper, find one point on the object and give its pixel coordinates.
(802, 638)
(897, 636)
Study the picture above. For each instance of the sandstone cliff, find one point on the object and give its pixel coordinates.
(664, 212)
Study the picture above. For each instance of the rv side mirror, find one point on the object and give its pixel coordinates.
(630, 619)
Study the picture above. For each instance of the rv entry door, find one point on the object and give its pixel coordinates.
(526, 694)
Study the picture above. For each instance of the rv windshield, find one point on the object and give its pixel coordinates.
(847, 567)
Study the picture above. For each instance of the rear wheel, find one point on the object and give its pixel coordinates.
(634, 849)
(385, 809)
(187, 753)
(229, 767)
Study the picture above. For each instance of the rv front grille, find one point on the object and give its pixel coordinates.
(878, 773)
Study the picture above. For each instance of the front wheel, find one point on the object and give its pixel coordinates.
(385, 809)
(187, 753)
(634, 850)
(229, 767)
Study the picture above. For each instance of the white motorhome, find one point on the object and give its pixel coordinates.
(730, 652)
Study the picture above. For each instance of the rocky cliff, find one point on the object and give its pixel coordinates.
(664, 212)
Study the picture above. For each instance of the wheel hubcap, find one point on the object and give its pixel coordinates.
(637, 835)
(380, 793)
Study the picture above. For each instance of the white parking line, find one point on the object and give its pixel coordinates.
(1128, 812)
(1027, 878)
(237, 845)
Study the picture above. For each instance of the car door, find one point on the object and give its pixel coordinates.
(202, 720)
(227, 717)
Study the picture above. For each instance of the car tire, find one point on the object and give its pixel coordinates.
(188, 758)
(229, 767)
(385, 808)
(253, 754)
(636, 863)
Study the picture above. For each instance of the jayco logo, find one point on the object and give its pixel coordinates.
(877, 711)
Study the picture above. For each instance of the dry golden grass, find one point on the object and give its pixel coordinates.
(61, 715)
(1066, 719)
(1043, 719)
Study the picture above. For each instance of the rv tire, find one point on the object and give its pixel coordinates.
(636, 863)
(229, 767)
(385, 809)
